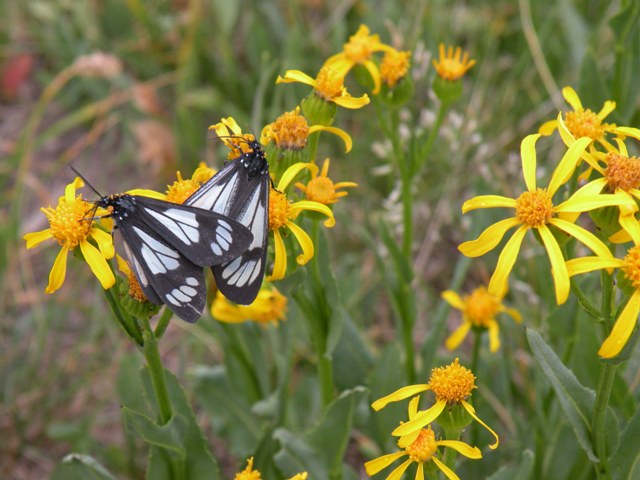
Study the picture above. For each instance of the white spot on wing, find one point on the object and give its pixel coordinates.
(192, 281)
(181, 223)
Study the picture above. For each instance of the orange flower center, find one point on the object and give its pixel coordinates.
(290, 131)
(329, 84)
(452, 383)
(394, 66)
(584, 123)
(631, 266)
(452, 65)
(423, 447)
(135, 291)
(534, 208)
(481, 307)
(622, 172)
(181, 189)
(321, 190)
(279, 210)
(67, 221)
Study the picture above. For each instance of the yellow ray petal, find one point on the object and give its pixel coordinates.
(422, 419)
(608, 107)
(584, 236)
(558, 267)
(346, 138)
(145, 192)
(494, 336)
(488, 201)
(528, 154)
(488, 239)
(459, 334)
(293, 171)
(453, 299)
(301, 205)
(279, 258)
(594, 187)
(566, 136)
(471, 411)
(305, 243)
(374, 466)
(58, 271)
(461, 447)
(104, 241)
(34, 239)
(576, 266)
(70, 190)
(587, 203)
(572, 98)
(398, 472)
(567, 164)
(547, 128)
(629, 131)
(400, 394)
(513, 313)
(498, 285)
(450, 474)
(372, 68)
(630, 224)
(98, 265)
(296, 76)
(352, 103)
(622, 329)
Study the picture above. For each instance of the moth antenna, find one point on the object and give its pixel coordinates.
(75, 170)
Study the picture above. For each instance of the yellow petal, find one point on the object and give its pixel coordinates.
(70, 190)
(144, 192)
(494, 336)
(588, 190)
(352, 103)
(630, 224)
(622, 329)
(488, 239)
(98, 265)
(456, 338)
(567, 164)
(584, 236)
(471, 411)
(372, 68)
(421, 419)
(576, 266)
(34, 239)
(461, 447)
(374, 466)
(450, 474)
(293, 171)
(629, 131)
(399, 471)
(413, 406)
(302, 205)
(608, 107)
(453, 299)
(279, 259)
(104, 241)
(348, 143)
(123, 265)
(528, 154)
(58, 271)
(558, 267)
(305, 243)
(513, 313)
(587, 203)
(547, 128)
(498, 285)
(488, 201)
(621, 236)
(420, 471)
(296, 76)
(566, 136)
(572, 98)
(400, 394)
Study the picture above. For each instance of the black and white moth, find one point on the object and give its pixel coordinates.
(168, 244)
(240, 190)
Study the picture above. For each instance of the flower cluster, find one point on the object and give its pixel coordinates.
(610, 189)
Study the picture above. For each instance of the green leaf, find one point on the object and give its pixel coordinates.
(625, 462)
(80, 467)
(169, 436)
(522, 471)
(576, 401)
(321, 450)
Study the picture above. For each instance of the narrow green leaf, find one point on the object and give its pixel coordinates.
(169, 436)
(625, 462)
(80, 467)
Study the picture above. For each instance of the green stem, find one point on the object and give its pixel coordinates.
(154, 364)
(433, 134)
(163, 323)
(126, 321)
(407, 334)
(584, 301)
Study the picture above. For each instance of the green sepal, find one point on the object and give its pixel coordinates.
(397, 95)
(446, 90)
(132, 306)
(317, 110)
(454, 418)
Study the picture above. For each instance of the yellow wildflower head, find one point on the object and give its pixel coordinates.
(248, 473)
(321, 188)
(394, 66)
(631, 266)
(534, 208)
(231, 134)
(423, 447)
(135, 291)
(361, 45)
(452, 64)
(453, 383)
(182, 189)
(70, 226)
(270, 306)
(622, 172)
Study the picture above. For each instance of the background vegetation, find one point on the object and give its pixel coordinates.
(64, 365)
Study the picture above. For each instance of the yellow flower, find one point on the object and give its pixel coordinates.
(630, 266)
(452, 65)
(328, 85)
(583, 122)
(228, 131)
(71, 228)
(250, 474)
(321, 188)
(423, 449)
(452, 385)
(182, 189)
(135, 291)
(290, 131)
(282, 212)
(534, 210)
(270, 306)
(394, 66)
(479, 310)
(358, 51)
